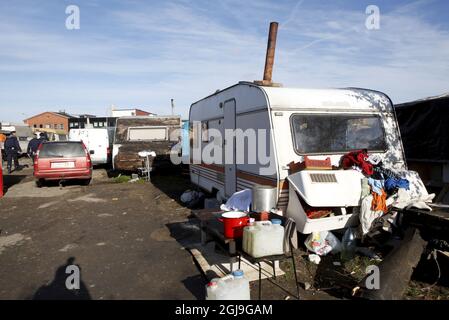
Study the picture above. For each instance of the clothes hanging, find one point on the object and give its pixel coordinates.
(366, 189)
(358, 158)
(374, 159)
(368, 216)
(380, 172)
(376, 185)
(404, 200)
(379, 202)
(391, 184)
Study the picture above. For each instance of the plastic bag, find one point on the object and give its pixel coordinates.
(190, 195)
(322, 243)
(240, 201)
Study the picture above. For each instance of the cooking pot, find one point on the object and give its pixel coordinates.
(263, 198)
(233, 223)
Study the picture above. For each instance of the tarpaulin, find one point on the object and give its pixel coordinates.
(424, 128)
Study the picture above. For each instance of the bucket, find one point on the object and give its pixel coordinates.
(233, 223)
(263, 198)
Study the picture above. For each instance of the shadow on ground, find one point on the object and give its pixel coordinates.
(10, 180)
(64, 183)
(196, 285)
(187, 234)
(57, 289)
(173, 184)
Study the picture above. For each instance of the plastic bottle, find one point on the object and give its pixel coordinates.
(348, 245)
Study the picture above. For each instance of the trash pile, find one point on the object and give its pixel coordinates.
(384, 189)
(384, 192)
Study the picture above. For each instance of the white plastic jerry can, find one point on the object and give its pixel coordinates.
(231, 287)
(266, 239)
(240, 286)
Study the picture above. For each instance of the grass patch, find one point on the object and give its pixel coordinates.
(357, 266)
(424, 291)
(126, 179)
(122, 179)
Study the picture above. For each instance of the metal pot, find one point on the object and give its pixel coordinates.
(233, 224)
(263, 198)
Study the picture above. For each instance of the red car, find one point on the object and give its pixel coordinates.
(62, 161)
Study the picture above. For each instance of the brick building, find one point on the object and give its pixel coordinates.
(50, 120)
(64, 121)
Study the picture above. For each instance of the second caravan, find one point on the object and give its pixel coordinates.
(134, 135)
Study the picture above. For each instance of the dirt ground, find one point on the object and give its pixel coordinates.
(129, 241)
(116, 232)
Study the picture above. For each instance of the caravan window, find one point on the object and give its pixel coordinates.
(336, 133)
(147, 133)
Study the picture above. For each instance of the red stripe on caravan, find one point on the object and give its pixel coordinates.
(256, 179)
(214, 167)
(282, 185)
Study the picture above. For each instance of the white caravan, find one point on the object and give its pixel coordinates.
(313, 122)
(97, 141)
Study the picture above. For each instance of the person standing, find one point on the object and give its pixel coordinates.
(33, 145)
(12, 148)
(43, 137)
(2, 148)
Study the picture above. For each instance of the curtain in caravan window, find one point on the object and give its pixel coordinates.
(146, 133)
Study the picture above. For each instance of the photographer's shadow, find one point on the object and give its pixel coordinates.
(57, 289)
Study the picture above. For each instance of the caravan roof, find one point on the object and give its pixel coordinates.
(291, 98)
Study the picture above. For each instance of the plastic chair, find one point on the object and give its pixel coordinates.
(146, 170)
(289, 228)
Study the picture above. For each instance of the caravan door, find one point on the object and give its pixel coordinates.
(229, 149)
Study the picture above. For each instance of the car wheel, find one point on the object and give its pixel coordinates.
(86, 182)
(39, 183)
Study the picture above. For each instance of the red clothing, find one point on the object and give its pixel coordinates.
(357, 158)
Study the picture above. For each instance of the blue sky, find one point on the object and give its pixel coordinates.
(143, 53)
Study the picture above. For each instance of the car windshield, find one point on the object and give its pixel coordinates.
(61, 150)
(337, 133)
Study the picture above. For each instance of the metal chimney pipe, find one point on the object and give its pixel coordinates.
(271, 48)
